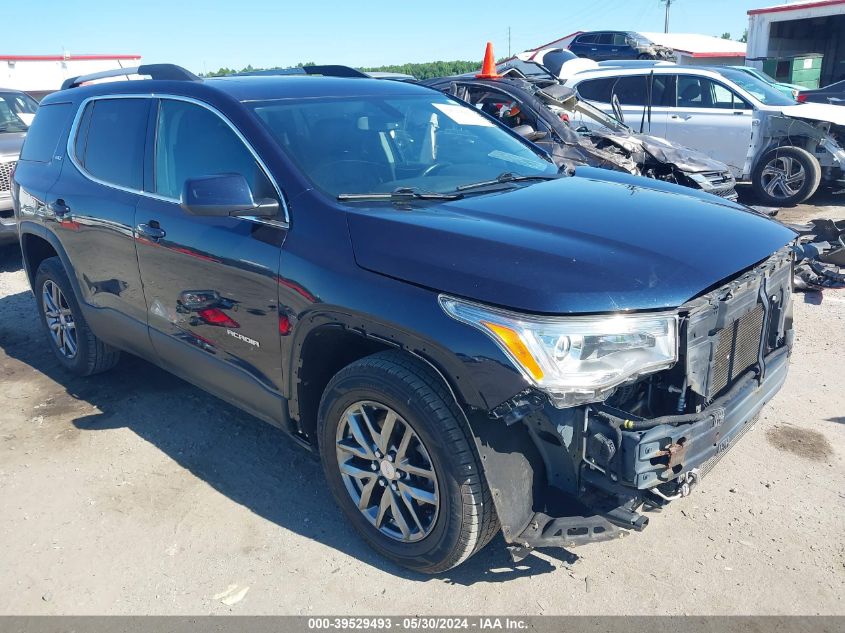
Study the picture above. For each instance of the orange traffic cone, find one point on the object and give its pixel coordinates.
(488, 68)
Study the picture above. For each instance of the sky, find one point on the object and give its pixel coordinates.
(209, 34)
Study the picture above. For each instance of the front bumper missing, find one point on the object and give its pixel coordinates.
(664, 453)
(663, 456)
(567, 477)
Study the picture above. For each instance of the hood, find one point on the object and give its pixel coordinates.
(816, 112)
(686, 159)
(11, 142)
(573, 245)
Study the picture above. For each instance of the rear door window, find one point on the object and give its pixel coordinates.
(631, 90)
(605, 38)
(47, 128)
(701, 92)
(110, 141)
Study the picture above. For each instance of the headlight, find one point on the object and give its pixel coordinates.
(576, 359)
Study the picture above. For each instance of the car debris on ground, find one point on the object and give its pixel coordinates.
(820, 254)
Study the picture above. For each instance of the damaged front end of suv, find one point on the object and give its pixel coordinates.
(638, 432)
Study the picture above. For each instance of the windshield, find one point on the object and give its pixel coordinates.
(764, 92)
(381, 144)
(16, 111)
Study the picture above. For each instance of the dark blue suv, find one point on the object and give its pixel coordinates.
(471, 340)
(607, 45)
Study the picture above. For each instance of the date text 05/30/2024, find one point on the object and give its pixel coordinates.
(418, 624)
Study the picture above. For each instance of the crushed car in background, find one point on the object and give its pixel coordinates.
(529, 99)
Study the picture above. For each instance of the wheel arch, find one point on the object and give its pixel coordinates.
(39, 243)
(315, 359)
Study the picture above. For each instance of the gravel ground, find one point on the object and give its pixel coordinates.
(135, 493)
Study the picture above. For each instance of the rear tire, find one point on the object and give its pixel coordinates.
(463, 519)
(786, 176)
(73, 343)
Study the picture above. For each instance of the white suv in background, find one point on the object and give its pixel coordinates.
(784, 148)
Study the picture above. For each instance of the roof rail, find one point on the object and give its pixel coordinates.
(153, 71)
(327, 70)
(634, 63)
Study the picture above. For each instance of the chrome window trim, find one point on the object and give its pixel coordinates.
(149, 194)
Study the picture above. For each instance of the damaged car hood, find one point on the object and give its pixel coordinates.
(663, 151)
(816, 112)
(573, 245)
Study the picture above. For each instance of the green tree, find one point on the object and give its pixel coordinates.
(428, 70)
(726, 36)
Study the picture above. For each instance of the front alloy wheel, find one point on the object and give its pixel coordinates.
(387, 471)
(783, 177)
(786, 176)
(401, 463)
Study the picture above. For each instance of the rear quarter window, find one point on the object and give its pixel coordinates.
(596, 89)
(46, 131)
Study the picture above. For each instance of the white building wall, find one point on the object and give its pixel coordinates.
(48, 75)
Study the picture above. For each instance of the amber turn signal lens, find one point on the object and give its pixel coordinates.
(512, 341)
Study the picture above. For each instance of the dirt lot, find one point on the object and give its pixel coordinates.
(135, 493)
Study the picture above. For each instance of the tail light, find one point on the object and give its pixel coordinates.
(802, 98)
(215, 316)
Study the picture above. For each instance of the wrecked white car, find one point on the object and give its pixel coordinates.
(785, 149)
(533, 103)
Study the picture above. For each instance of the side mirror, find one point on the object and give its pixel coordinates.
(529, 133)
(224, 195)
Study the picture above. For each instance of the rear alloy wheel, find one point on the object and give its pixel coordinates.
(59, 318)
(786, 176)
(73, 343)
(402, 465)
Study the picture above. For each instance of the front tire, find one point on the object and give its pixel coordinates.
(73, 343)
(786, 176)
(401, 464)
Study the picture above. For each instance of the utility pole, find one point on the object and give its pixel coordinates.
(509, 41)
(668, 4)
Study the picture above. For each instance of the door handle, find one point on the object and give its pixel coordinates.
(59, 208)
(151, 230)
(684, 117)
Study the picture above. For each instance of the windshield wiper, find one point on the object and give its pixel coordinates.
(505, 177)
(402, 194)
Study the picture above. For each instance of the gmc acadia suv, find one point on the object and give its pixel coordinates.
(469, 338)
